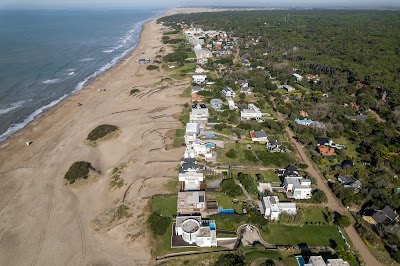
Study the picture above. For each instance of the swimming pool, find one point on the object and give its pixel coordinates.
(300, 260)
(212, 226)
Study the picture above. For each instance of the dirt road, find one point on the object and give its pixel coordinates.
(333, 202)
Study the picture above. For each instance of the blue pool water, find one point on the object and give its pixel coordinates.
(212, 226)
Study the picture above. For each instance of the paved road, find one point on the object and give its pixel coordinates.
(333, 202)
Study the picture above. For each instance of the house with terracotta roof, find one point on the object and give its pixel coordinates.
(326, 151)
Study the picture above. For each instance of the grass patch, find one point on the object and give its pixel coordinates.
(116, 180)
(187, 92)
(350, 150)
(164, 205)
(225, 202)
(78, 170)
(187, 67)
(101, 131)
(152, 67)
(316, 215)
(178, 142)
(308, 234)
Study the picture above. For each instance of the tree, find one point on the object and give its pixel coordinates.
(343, 221)
(230, 188)
(242, 96)
(230, 259)
(318, 196)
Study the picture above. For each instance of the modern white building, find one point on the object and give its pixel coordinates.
(191, 202)
(272, 207)
(198, 149)
(191, 180)
(199, 78)
(298, 77)
(251, 113)
(194, 230)
(228, 92)
(319, 261)
(191, 132)
(297, 187)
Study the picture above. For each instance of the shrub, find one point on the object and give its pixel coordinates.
(152, 67)
(230, 259)
(133, 91)
(78, 170)
(231, 154)
(101, 131)
(318, 196)
(158, 223)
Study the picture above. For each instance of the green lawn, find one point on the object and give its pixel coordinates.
(225, 202)
(240, 149)
(178, 142)
(165, 205)
(253, 254)
(187, 67)
(350, 150)
(315, 214)
(308, 234)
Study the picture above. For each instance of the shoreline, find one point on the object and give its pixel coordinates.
(85, 83)
(46, 221)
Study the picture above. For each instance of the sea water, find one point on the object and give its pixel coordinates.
(47, 55)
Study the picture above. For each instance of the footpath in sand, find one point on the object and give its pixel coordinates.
(43, 220)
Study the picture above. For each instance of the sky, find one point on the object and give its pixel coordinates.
(163, 4)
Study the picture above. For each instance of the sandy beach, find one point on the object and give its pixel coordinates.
(43, 220)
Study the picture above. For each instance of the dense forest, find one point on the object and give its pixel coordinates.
(356, 56)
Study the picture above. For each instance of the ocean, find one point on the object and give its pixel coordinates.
(49, 54)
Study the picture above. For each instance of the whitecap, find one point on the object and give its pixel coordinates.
(52, 81)
(87, 59)
(12, 107)
(71, 73)
(108, 51)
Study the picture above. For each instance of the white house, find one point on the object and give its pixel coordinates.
(194, 230)
(191, 132)
(192, 180)
(199, 114)
(228, 92)
(199, 78)
(298, 77)
(259, 136)
(198, 149)
(297, 187)
(251, 113)
(272, 207)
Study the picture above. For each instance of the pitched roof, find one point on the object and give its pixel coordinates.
(322, 140)
(260, 134)
(388, 212)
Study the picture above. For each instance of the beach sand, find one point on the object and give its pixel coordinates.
(43, 220)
